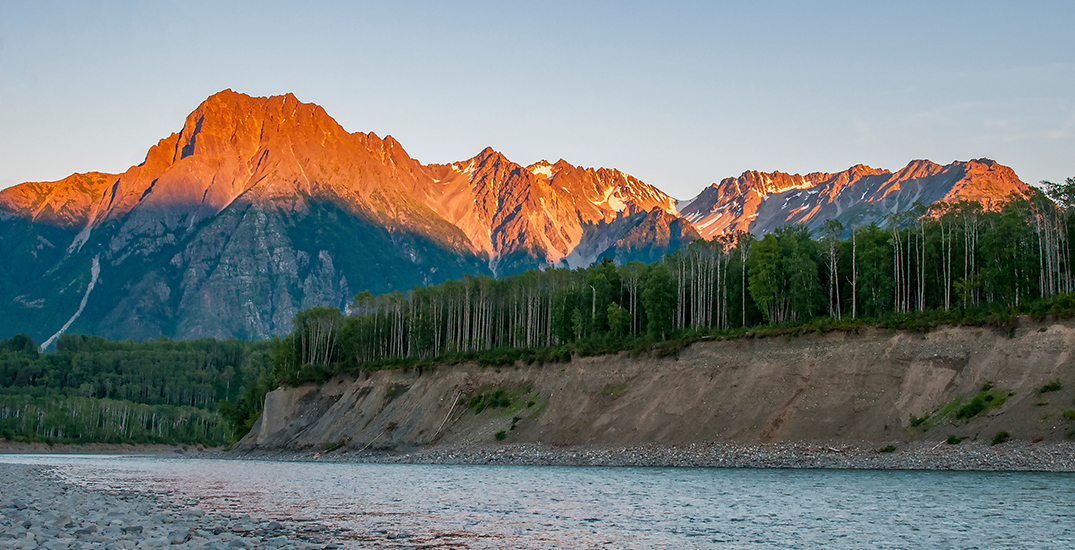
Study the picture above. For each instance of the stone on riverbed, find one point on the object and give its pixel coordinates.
(50, 514)
(179, 537)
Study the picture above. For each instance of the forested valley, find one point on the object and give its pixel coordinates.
(961, 263)
(949, 263)
(93, 390)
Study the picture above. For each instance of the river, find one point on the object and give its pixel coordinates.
(421, 506)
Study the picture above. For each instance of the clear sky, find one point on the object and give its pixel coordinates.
(679, 94)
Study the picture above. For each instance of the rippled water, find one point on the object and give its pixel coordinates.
(589, 507)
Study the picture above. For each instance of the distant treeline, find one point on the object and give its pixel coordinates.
(936, 264)
(94, 390)
(948, 263)
(91, 420)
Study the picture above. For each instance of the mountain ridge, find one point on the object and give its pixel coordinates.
(260, 207)
(736, 204)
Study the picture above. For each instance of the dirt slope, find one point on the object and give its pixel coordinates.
(836, 387)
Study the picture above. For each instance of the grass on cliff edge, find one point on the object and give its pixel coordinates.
(999, 317)
(987, 399)
(988, 315)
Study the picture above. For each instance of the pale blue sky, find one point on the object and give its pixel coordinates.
(678, 94)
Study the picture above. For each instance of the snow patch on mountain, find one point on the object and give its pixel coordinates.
(542, 170)
(95, 271)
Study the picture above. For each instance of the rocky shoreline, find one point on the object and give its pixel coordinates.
(918, 455)
(1015, 456)
(40, 510)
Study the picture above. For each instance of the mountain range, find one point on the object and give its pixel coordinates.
(260, 207)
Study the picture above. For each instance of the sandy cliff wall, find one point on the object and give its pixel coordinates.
(823, 388)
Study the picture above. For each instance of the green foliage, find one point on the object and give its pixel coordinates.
(195, 373)
(477, 404)
(985, 400)
(499, 398)
(971, 409)
(953, 440)
(887, 449)
(65, 419)
(1001, 437)
(316, 335)
(246, 410)
(948, 264)
(613, 391)
(1052, 385)
(225, 380)
(619, 320)
(330, 446)
(496, 399)
(947, 409)
(783, 275)
(1069, 414)
(501, 435)
(917, 421)
(659, 299)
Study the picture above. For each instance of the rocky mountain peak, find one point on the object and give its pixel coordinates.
(760, 202)
(260, 206)
(543, 169)
(918, 169)
(69, 202)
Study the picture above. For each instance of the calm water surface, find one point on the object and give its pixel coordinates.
(574, 507)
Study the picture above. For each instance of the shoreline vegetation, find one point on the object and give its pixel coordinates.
(91, 390)
(27, 415)
(958, 264)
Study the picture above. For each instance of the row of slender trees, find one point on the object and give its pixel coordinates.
(941, 257)
(196, 373)
(86, 419)
(161, 391)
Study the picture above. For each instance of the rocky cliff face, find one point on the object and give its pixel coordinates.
(260, 207)
(760, 202)
(537, 216)
(834, 388)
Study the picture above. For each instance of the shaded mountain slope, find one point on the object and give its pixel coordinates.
(260, 207)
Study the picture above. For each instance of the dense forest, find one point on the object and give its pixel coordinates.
(934, 264)
(946, 263)
(94, 390)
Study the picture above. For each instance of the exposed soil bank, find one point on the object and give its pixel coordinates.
(838, 390)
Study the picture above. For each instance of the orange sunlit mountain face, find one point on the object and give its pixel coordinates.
(279, 152)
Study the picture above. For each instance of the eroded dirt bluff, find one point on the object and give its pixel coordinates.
(835, 388)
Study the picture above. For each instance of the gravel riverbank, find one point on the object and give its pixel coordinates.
(39, 510)
(918, 455)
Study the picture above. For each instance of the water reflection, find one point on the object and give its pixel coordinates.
(395, 506)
